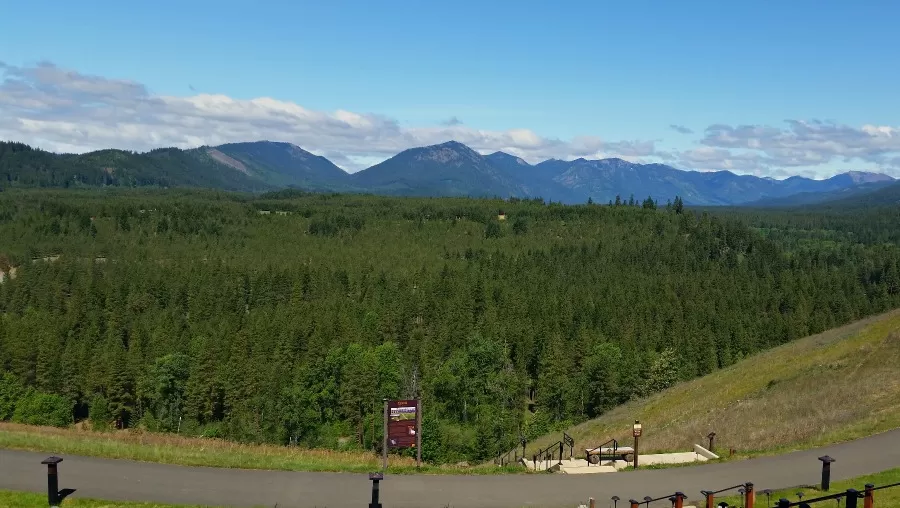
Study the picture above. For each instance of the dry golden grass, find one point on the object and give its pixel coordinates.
(832, 387)
(190, 451)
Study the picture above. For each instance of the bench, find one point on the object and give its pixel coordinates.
(595, 455)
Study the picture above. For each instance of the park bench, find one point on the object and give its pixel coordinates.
(606, 452)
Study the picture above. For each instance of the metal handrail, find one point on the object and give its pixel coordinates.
(547, 454)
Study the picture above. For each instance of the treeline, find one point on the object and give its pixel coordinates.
(290, 316)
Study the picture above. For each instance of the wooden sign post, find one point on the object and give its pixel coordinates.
(636, 430)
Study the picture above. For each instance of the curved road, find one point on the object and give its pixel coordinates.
(139, 481)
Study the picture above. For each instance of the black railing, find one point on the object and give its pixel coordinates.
(546, 454)
(745, 489)
(512, 456)
(851, 497)
(570, 442)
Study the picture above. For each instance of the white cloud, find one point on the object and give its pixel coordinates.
(804, 144)
(63, 110)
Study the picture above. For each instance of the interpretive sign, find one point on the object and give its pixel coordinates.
(403, 427)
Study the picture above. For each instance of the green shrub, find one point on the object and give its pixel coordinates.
(39, 408)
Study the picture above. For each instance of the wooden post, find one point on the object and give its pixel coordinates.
(418, 433)
(710, 499)
(633, 503)
(591, 503)
(384, 447)
(679, 500)
(636, 432)
(636, 451)
(869, 496)
(749, 495)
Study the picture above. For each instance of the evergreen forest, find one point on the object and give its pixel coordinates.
(287, 317)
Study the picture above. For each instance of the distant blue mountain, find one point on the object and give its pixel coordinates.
(447, 169)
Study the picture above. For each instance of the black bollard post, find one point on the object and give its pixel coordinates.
(712, 438)
(783, 503)
(52, 480)
(375, 477)
(852, 498)
(826, 472)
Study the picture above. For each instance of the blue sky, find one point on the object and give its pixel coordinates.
(772, 88)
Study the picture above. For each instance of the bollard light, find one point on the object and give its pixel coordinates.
(711, 436)
(768, 493)
(53, 498)
(615, 500)
(826, 472)
(375, 477)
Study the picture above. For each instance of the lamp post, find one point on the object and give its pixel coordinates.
(636, 431)
(711, 436)
(615, 500)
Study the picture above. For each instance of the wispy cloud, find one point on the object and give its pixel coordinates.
(450, 122)
(681, 129)
(800, 144)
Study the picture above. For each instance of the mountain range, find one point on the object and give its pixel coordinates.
(447, 169)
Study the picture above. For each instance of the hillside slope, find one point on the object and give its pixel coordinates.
(24, 166)
(826, 388)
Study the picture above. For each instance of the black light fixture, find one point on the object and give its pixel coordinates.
(615, 500)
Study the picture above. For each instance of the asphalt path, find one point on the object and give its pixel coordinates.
(123, 480)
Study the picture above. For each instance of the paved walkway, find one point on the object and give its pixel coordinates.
(139, 481)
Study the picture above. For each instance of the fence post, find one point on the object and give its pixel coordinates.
(710, 498)
(633, 503)
(749, 495)
(52, 480)
(534, 461)
(375, 477)
(591, 503)
(561, 447)
(679, 500)
(852, 497)
(869, 496)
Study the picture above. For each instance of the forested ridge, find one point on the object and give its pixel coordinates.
(286, 315)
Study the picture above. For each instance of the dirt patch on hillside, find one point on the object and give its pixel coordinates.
(228, 161)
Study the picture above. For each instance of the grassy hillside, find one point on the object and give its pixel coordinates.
(168, 448)
(831, 387)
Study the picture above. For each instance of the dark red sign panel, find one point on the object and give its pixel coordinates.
(402, 423)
